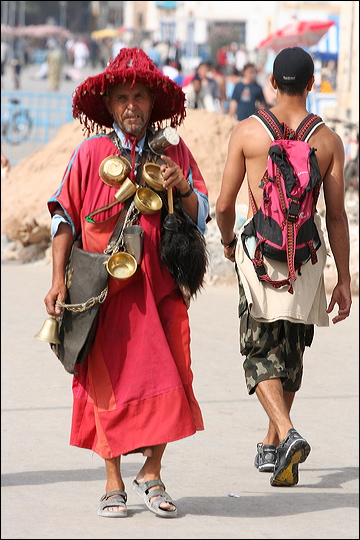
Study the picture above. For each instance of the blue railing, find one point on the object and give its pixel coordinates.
(30, 120)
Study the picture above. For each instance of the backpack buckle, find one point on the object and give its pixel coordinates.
(293, 210)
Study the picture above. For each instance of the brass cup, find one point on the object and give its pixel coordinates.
(49, 331)
(126, 189)
(114, 169)
(133, 240)
(153, 177)
(163, 138)
(147, 201)
(121, 265)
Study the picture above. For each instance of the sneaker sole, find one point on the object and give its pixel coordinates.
(289, 475)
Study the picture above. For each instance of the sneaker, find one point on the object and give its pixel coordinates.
(290, 452)
(265, 457)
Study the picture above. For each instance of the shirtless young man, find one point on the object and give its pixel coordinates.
(274, 350)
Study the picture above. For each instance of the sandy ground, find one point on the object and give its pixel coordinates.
(52, 490)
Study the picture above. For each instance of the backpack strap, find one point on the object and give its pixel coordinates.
(276, 130)
(308, 126)
(270, 122)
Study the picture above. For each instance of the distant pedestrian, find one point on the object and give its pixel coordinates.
(208, 80)
(81, 53)
(5, 56)
(198, 96)
(16, 69)
(55, 61)
(241, 58)
(247, 96)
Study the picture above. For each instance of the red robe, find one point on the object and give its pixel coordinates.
(135, 388)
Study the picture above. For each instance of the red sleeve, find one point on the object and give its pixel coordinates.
(181, 155)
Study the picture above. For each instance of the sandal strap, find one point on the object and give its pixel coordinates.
(156, 503)
(119, 495)
(155, 493)
(151, 483)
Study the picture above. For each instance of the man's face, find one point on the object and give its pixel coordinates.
(197, 85)
(249, 74)
(130, 107)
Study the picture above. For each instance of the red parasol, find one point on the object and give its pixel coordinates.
(297, 34)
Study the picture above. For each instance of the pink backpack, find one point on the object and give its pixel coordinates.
(283, 227)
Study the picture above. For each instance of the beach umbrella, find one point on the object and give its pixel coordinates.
(105, 33)
(35, 31)
(297, 34)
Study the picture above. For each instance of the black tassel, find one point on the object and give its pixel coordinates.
(185, 255)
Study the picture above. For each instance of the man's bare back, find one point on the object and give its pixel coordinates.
(250, 142)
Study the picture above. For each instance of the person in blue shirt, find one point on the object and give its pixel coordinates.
(247, 96)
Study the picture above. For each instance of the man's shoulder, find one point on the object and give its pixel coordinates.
(239, 84)
(249, 128)
(96, 139)
(95, 143)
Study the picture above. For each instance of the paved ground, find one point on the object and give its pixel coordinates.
(51, 490)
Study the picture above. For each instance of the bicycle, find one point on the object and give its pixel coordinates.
(16, 124)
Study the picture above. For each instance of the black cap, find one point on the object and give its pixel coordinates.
(293, 66)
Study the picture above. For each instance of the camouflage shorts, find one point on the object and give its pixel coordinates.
(272, 350)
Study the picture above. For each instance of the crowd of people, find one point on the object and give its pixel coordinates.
(235, 83)
(208, 85)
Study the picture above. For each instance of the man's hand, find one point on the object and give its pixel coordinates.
(342, 296)
(173, 175)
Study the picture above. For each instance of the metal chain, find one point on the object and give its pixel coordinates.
(130, 218)
(86, 305)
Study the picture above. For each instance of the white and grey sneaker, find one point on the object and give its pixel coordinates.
(265, 457)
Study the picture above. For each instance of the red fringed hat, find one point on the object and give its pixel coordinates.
(129, 65)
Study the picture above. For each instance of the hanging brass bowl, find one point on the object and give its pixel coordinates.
(114, 169)
(121, 265)
(147, 201)
(153, 177)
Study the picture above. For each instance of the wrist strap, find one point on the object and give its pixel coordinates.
(186, 194)
(232, 243)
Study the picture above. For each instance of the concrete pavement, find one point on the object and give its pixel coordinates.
(52, 490)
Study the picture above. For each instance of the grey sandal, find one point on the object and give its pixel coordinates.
(113, 498)
(143, 490)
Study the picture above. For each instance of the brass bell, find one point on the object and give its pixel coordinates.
(49, 331)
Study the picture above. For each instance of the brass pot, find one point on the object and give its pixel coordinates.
(121, 265)
(147, 201)
(153, 177)
(114, 169)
